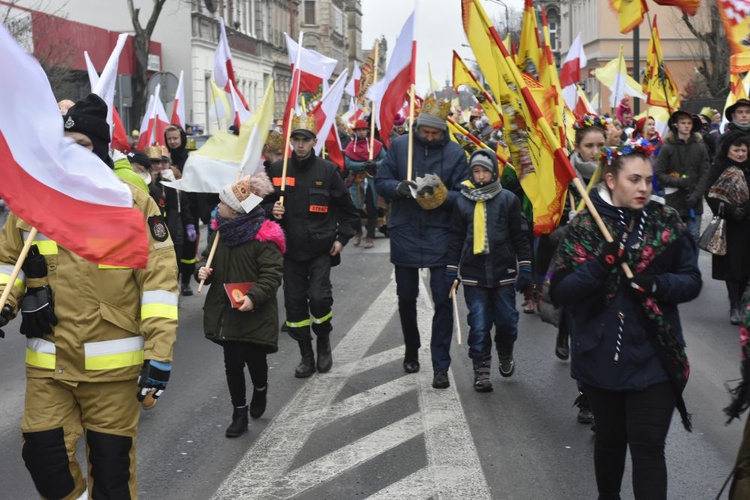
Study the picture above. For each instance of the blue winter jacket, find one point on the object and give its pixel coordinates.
(419, 238)
(594, 325)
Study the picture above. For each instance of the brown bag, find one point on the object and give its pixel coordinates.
(714, 238)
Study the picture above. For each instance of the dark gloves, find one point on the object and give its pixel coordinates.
(692, 200)
(612, 254)
(371, 168)
(403, 189)
(35, 265)
(681, 182)
(38, 312)
(643, 285)
(5, 317)
(190, 232)
(523, 280)
(153, 378)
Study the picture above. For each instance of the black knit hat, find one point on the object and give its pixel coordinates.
(88, 116)
(139, 157)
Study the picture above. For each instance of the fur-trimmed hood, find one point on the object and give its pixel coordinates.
(271, 231)
(671, 137)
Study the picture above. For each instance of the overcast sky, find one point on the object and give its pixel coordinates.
(439, 31)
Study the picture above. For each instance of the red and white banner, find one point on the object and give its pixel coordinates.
(154, 124)
(352, 87)
(178, 109)
(316, 68)
(325, 111)
(241, 115)
(63, 190)
(223, 67)
(388, 94)
(570, 73)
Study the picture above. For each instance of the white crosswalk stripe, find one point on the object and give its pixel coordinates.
(453, 469)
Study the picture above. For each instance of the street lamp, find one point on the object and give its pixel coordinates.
(507, 17)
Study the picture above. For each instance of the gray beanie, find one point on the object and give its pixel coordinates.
(430, 120)
(482, 160)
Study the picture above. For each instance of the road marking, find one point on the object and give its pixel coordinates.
(453, 469)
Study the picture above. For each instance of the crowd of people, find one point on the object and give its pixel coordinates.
(614, 272)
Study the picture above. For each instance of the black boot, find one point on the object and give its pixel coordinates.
(239, 423)
(411, 360)
(325, 360)
(562, 348)
(734, 314)
(482, 368)
(258, 403)
(585, 415)
(306, 366)
(185, 289)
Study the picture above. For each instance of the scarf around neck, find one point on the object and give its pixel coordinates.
(731, 187)
(357, 152)
(242, 228)
(480, 195)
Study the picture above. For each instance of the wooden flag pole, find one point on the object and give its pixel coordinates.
(287, 141)
(410, 162)
(372, 113)
(17, 268)
(213, 249)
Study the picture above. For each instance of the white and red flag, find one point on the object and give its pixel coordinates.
(316, 68)
(178, 109)
(154, 124)
(223, 68)
(241, 114)
(570, 73)
(388, 94)
(63, 190)
(352, 88)
(355, 111)
(325, 118)
(292, 101)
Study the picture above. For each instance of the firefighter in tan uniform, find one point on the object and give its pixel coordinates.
(99, 339)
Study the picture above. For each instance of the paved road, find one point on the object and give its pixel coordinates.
(367, 430)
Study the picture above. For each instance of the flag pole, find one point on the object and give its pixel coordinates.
(17, 268)
(372, 114)
(287, 140)
(658, 65)
(410, 162)
(477, 141)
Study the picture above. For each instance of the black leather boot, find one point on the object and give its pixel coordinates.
(306, 366)
(562, 347)
(325, 360)
(258, 403)
(411, 360)
(239, 423)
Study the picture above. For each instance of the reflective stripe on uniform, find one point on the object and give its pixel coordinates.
(159, 304)
(40, 353)
(187, 261)
(298, 324)
(325, 318)
(45, 245)
(111, 354)
(105, 266)
(6, 271)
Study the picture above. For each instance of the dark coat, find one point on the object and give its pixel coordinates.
(260, 261)
(507, 235)
(594, 324)
(689, 163)
(419, 238)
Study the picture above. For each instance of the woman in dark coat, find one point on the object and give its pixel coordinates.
(728, 197)
(250, 250)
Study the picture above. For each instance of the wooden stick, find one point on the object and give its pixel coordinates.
(372, 114)
(17, 268)
(287, 140)
(456, 317)
(410, 161)
(572, 200)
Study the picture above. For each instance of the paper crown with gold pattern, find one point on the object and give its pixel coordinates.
(275, 142)
(434, 113)
(156, 152)
(305, 125)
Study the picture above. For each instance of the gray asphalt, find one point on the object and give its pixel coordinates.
(524, 434)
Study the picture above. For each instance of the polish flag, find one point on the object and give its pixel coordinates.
(241, 115)
(352, 88)
(355, 111)
(178, 110)
(119, 134)
(325, 117)
(388, 94)
(63, 190)
(154, 124)
(316, 68)
(292, 101)
(583, 106)
(223, 69)
(570, 73)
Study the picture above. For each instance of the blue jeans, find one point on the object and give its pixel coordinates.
(487, 306)
(407, 289)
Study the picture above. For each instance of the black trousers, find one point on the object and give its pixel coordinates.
(187, 259)
(308, 296)
(237, 355)
(639, 420)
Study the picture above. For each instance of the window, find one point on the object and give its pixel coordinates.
(339, 24)
(309, 11)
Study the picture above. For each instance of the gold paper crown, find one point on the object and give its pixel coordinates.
(275, 142)
(190, 144)
(438, 107)
(153, 152)
(304, 122)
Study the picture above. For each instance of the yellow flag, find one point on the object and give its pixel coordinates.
(220, 102)
(629, 13)
(549, 79)
(737, 27)
(462, 75)
(529, 53)
(660, 87)
(614, 75)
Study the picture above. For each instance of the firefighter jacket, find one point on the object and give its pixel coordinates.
(110, 318)
(319, 209)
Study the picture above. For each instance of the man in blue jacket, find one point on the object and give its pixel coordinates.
(419, 237)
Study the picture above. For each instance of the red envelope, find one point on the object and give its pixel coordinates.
(235, 291)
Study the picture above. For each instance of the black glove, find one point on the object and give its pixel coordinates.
(5, 317)
(38, 312)
(35, 265)
(153, 378)
(692, 201)
(681, 182)
(611, 255)
(523, 280)
(371, 168)
(738, 214)
(643, 285)
(403, 189)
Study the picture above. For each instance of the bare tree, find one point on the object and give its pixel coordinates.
(141, 42)
(714, 58)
